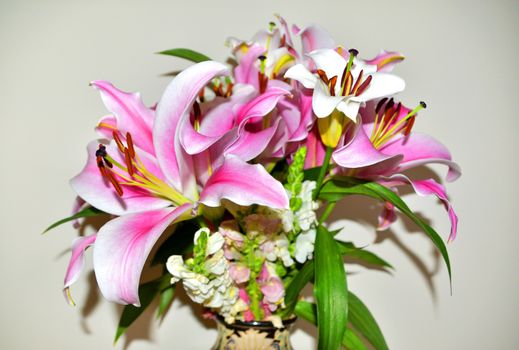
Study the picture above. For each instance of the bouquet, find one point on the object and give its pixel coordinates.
(229, 179)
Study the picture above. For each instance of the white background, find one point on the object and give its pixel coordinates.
(461, 59)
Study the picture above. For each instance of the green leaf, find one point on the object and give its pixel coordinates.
(305, 275)
(362, 320)
(349, 250)
(187, 54)
(337, 188)
(308, 311)
(330, 291)
(85, 213)
(165, 300)
(147, 292)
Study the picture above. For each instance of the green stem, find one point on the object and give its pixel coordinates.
(327, 212)
(322, 172)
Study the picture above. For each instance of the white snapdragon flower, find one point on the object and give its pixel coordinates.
(305, 216)
(214, 287)
(305, 245)
(277, 247)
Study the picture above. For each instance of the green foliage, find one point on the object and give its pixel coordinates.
(349, 250)
(293, 290)
(85, 213)
(295, 179)
(330, 290)
(338, 188)
(187, 54)
(361, 319)
(308, 312)
(165, 300)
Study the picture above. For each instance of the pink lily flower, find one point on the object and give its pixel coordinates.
(151, 188)
(384, 147)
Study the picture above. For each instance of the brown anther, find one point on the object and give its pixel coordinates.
(108, 163)
(118, 141)
(128, 160)
(409, 125)
(263, 82)
(363, 86)
(129, 143)
(380, 104)
(357, 83)
(389, 105)
(228, 92)
(101, 166)
(347, 84)
(201, 95)
(333, 81)
(283, 41)
(343, 77)
(322, 75)
(196, 110)
(114, 183)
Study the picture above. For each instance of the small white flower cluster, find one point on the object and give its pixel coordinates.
(213, 287)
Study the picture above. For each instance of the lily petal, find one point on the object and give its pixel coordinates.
(249, 145)
(76, 263)
(90, 185)
(426, 188)
(131, 113)
(175, 105)
(360, 153)
(419, 149)
(329, 61)
(300, 73)
(382, 84)
(246, 71)
(386, 60)
(322, 103)
(244, 184)
(122, 246)
(260, 106)
(315, 37)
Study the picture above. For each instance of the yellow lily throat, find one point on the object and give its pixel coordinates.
(133, 172)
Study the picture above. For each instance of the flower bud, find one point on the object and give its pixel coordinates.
(331, 127)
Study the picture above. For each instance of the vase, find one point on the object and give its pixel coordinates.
(254, 335)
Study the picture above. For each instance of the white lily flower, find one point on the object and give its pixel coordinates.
(334, 87)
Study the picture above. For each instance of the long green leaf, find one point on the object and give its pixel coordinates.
(336, 189)
(305, 275)
(308, 311)
(362, 320)
(187, 54)
(330, 290)
(349, 250)
(85, 213)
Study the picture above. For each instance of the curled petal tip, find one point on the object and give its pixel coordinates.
(68, 296)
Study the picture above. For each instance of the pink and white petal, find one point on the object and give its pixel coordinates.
(79, 203)
(249, 145)
(174, 105)
(244, 184)
(300, 73)
(330, 62)
(322, 103)
(76, 263)
(90, 185)
(386, 217)
(246, 71)
(315, 150)
(260, 106)
(315, 37)
(131, 113)
(381, 85)
(360, 153)
(122, 247)
(419, 149)
(285, 31)
(192, 141)
(386, 60)
(426, 188)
